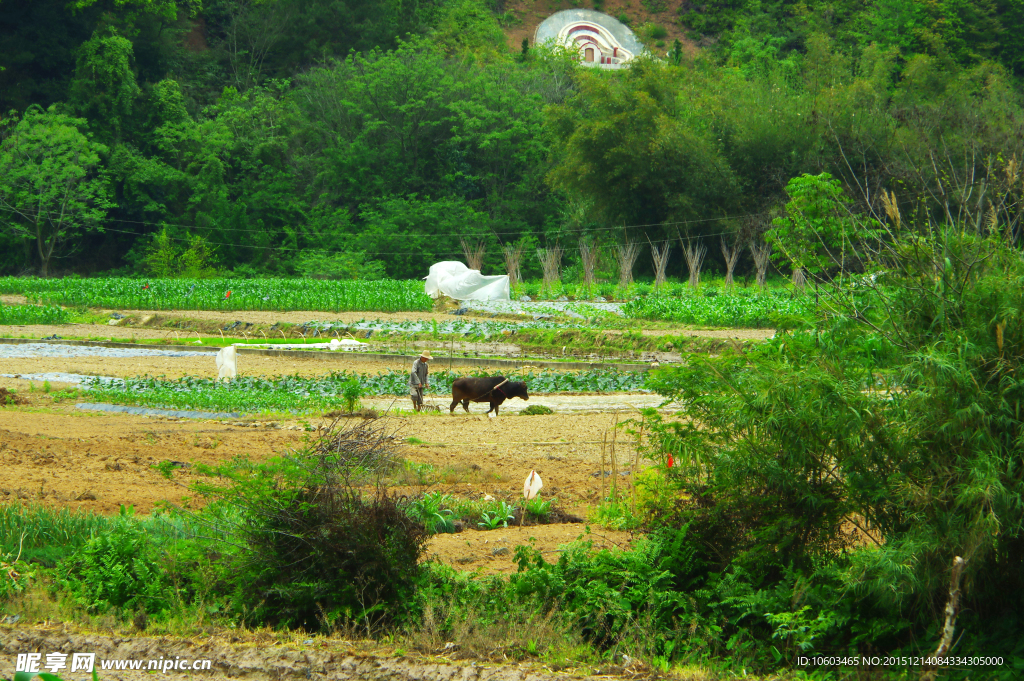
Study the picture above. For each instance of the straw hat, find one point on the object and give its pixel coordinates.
(426, 354)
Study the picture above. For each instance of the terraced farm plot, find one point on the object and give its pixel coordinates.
(58, 455)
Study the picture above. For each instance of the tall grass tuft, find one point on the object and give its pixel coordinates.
(45, 535)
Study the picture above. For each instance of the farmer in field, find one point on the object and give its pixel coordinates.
(418, 379)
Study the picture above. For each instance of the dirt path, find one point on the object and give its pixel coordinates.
(262, 656)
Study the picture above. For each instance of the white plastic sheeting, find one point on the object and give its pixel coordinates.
(457, 281)
(345, 344)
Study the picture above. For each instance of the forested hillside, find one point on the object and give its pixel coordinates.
(365, 138)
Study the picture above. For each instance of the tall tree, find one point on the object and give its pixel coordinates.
(52, 184)
(104, 88)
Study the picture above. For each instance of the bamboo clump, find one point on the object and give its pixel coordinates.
(760, 252)
(731, 255)
(588, 258)
(513, 259)
(626, 254)
(660, 256)
(474, 252)
(694, 252)
(551, 261)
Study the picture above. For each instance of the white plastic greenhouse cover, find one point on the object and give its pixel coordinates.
(457, 281)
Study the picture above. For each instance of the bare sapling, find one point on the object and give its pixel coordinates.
(551, 261)
(761, 252)
(951, 611)
(660, 256)
(694, 252)
(604, 447)
(513, 259)
(615, 466)
(626, 255)
(731, 253)
(588, 259)
(474, 252)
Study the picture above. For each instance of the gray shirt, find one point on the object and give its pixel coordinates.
(418, 377)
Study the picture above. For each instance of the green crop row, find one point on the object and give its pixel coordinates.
(223, 294)
(714, 307)
(294, 393)
(610, 290)
(33, 314)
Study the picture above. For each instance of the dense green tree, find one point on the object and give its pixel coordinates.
(640, 149)
(52, 182)
(104, 89)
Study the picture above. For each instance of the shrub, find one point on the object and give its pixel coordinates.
(607, 595)
(536, 410)
(351, 391)
(655, 31)
(316, 549)
(330, 555)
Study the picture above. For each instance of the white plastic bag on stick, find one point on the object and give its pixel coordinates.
(532, 485)
(226, 363)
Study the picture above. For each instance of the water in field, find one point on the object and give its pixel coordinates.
(47, 350)
(61, 377)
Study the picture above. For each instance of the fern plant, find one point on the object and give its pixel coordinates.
(117, 569)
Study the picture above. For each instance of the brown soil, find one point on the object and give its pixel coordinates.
(63, 457)
(493, 551)
(8, 398)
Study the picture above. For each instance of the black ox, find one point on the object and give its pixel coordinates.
(492, 389)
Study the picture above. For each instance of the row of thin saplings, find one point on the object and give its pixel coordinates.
(626, 255)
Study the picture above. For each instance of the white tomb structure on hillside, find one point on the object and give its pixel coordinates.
(601, 40)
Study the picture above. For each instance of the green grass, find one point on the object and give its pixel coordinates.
(45, 535)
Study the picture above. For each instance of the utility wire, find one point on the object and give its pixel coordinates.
(396, 236)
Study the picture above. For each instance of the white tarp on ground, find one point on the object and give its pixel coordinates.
(457, 281)
(346, 344)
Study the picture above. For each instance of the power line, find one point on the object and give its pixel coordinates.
(405, 234)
